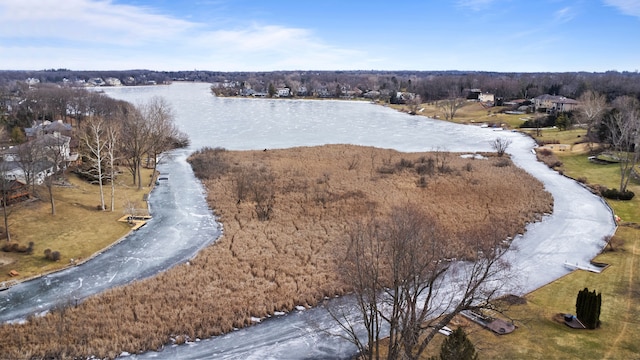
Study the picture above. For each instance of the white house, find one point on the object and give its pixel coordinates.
(14, 170)
(486, 97)
(49, 152)
(283, 92)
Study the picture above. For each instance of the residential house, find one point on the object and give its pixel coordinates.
(111, 81)
(323, 92)
(554, 103)
(48, 127)
(52, 153)
(373, 94)
(478, 95)
(96, 82)
(283, 92)
(15, 171)
(486, 98)
(302, 91)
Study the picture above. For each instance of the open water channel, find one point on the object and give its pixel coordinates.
(183, 224)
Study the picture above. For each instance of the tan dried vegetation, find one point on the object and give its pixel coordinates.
(286, 214)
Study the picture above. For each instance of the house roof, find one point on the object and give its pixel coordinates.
(556, 99)
(57, 126)
(38, 166)
(53, 139)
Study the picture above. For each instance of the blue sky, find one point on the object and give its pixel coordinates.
(239, 35)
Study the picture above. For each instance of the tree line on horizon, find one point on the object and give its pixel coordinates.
(429, 85)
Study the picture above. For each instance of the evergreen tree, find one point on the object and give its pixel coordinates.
(562, 121)
(588, 305)
(272, 90)
(457, 347)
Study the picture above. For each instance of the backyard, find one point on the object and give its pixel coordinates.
(77, 231)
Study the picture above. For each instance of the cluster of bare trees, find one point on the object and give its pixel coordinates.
(406, 286)
(133, 135)
(617, 124)
(623, 123)
(110, 134)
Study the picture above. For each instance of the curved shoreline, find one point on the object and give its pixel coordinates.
(286, 340)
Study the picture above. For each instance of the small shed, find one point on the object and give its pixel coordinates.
(15, 190)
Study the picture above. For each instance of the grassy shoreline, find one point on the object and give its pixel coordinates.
(540, 335)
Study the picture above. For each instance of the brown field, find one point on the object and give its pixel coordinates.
(311, 196)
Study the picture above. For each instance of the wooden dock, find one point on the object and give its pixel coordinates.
(137, 221)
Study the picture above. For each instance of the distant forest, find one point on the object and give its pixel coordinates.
(430, 85)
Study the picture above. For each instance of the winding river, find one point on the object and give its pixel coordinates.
(182, 225)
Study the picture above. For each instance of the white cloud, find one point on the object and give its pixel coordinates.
(99, 34)
(628, 7)
(564, 15)
(85, 21)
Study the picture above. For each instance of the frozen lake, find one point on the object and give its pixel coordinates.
(573, 233)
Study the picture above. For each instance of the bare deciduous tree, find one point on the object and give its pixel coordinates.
(93, 136)
(623, 124)
(5, 188)
(450, 106)
(135, 140)
(262, 190)
(162, 130)
(402, 280)
(500, 145)
(591, 109)
(55, 150)
(30, 159)
(112, 136)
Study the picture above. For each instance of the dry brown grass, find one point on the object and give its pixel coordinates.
(259, 267)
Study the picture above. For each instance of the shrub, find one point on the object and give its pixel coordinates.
(404, 163)
(548, 157)
(445, 169)
(52, 255)
(422, 182)
(9, 247)
(626, 195)
(545, 152)
(502, 163)
(426, 168)
(386, 170)
(16, 247)
(354, 163)
(614, 194)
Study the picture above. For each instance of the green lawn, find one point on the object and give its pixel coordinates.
(539, 335)
(561, 136)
